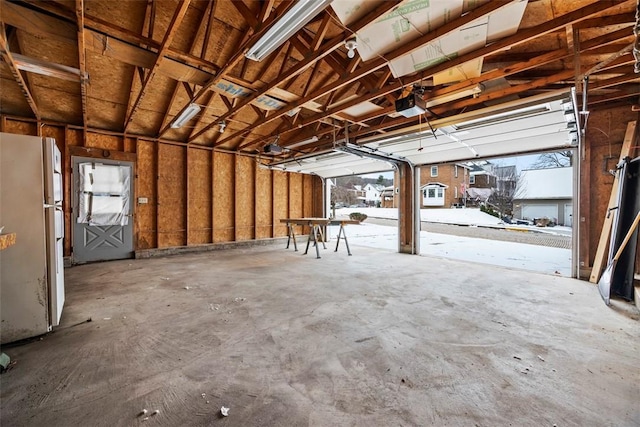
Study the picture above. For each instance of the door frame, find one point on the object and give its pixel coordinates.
(86, 157)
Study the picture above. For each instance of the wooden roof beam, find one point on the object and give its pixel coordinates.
(615, 81)
(326, 49)
(8, 58)
(605, 21)
(166, 42)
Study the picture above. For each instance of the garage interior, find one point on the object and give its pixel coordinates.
(205, 308)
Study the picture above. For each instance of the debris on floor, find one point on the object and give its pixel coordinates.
(186, 287)
(156, 412)
(240, 299)
(5, 360)
(164, 278)
(224, 411)
(143, 412)
(541, 358)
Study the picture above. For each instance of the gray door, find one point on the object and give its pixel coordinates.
(102, 210)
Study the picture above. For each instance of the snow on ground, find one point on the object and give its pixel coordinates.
(466, 216)
(506, 254)
(449, 216)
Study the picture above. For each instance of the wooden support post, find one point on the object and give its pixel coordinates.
(157, 195)
(405, 216)
(599, 260)
(273, 203)
(213, 192)
(186, 195)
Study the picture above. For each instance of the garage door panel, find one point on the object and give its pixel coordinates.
(530, 211)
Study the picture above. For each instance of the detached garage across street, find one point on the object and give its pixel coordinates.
(545, 193)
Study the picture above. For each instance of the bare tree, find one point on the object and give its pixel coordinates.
(343, 195)
(503, 194)
(557, 159)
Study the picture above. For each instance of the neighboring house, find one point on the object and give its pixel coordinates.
(372, 194)
(388, 197)
(443, 185)
(481, 175)
(545, 193)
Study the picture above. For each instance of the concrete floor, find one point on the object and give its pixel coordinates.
(376, 339)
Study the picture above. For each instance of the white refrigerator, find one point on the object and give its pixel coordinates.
(32, 270)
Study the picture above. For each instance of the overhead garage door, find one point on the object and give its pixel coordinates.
(540, 211)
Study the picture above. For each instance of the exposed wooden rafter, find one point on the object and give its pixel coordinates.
(166, 42)
(518, 38)
(328, 47)
(8, 58)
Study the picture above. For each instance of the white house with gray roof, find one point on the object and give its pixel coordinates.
(545, 193)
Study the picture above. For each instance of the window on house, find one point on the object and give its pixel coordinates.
(432, 193)
(472, 179)
(440, 193)
(455, 192)
(434, 171)
(455, 171)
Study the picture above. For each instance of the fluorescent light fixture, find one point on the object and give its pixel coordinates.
(186, 115)
(454, 96)
(306, 141)
(293, 20)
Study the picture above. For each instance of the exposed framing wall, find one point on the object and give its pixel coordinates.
(195, 195)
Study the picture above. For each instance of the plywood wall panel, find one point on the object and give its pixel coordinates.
(21, 128)
(264, 204)
(74, 137)
(106, 142)
(280, 201)
(223, 198)
(199, 196)
(146, 187)
(171, 196)
(307, 196)
(244, 193)
(295, 200)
